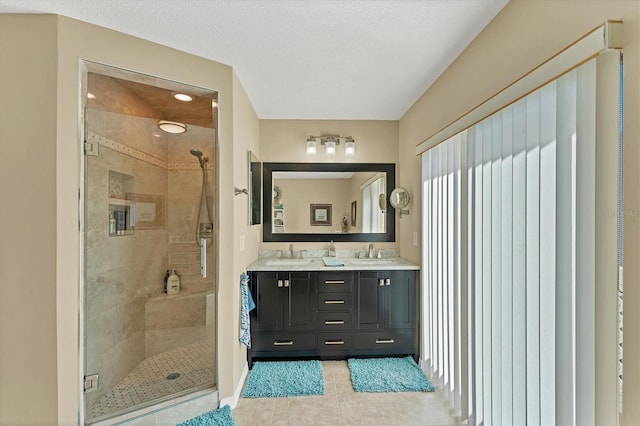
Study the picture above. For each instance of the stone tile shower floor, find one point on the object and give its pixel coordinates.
(342, 406)
(149, 382)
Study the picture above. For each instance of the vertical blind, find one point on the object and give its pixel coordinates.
(508, 251)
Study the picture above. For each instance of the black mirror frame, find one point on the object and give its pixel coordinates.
(267, 208)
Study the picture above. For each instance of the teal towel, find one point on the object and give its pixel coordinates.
(246, 305)
(332, 261)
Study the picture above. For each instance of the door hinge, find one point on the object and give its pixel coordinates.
(90, 148)
(91, 382)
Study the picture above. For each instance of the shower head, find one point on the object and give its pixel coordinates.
(199, 155)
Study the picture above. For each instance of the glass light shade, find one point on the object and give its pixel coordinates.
(330, 147)
(172, 126)
(183, 97)
(350, 148)
(311, 147)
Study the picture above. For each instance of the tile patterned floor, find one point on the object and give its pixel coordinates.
(148, 381)
(341, 406)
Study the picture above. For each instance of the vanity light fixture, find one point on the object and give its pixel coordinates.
(330, 143)
(172, 126)
(183, 97)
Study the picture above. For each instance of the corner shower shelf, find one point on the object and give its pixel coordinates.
(181, 295)
(121, 202)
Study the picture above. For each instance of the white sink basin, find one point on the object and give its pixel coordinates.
(288, 262)
(373, 262)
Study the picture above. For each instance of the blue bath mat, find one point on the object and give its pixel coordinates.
(219, 417)
(388, 375)
(285, 378)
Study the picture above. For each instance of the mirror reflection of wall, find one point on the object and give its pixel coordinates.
(340, 190)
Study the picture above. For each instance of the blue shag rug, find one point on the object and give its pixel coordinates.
(284, 378)
(388, 375)
(219, 417)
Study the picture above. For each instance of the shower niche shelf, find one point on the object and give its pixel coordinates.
(121, 210)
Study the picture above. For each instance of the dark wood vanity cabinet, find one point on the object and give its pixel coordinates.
(282, 324)
(334, 314)
(386, 303)
(385, 300)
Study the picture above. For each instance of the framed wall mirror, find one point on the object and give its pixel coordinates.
(255, 189)
(351, 192)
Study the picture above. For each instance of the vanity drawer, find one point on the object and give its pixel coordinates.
(335, 281)
(385, 340)
(338, 321)
(328, 341)
(283, 341)
(334, 302)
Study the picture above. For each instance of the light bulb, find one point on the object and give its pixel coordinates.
(330, 147)
(311, 146)
(183, 97)
(350, 148)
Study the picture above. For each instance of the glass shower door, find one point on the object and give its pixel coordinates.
(148, 196)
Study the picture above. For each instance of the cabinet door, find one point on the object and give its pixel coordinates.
(369, 301)
(400, 303)
(268, 297)
(300, 302)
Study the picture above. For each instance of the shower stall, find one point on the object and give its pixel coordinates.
(145, 192)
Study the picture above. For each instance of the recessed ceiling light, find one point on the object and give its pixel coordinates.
(183, 97)
(91, 95)
(172, 126)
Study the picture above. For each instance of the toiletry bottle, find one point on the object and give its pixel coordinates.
(173, 283)
(166, 277)
(112, 226)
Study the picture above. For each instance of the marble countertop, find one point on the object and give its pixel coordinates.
(316, 264)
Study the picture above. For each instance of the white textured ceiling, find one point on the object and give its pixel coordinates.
(303, 59)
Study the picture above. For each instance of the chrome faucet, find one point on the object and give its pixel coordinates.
(287, 254)
(371, 251)
(332, 249)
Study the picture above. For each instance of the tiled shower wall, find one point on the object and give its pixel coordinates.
(121, 271)
(128, 316)
(188, 324)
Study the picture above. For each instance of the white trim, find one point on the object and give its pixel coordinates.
(602, 38)
(232, 401)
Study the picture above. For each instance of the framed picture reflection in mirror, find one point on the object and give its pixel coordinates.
(320, 214)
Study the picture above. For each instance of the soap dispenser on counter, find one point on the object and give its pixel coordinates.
(173, 283)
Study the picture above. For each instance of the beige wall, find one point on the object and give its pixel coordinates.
(298, 194)
(524, 34)
(244, 241)
(28, 212)
(284, 141)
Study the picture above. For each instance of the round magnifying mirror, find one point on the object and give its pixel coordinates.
(399, 198)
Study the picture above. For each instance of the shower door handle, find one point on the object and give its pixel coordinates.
(203, 257)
